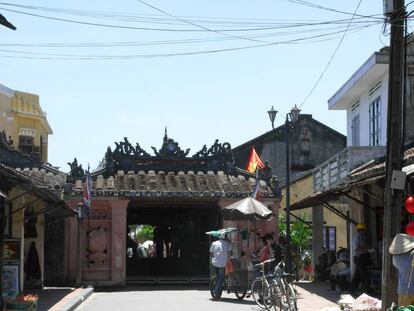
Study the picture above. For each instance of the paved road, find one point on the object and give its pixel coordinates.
(310, 297)
(164, 300)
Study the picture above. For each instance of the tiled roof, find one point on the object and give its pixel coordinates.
(169, 184)
(378, 167)
(54, 181)
(32, 183)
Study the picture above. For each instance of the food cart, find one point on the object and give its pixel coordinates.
(247, 214)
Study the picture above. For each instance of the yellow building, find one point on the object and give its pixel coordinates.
(24, 122)
(334, 227)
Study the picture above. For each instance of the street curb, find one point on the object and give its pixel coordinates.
(76, 298)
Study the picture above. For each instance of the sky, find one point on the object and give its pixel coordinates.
(140, 74)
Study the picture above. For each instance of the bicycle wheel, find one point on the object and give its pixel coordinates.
(290, 300)
(240, 293)
(258, 287)
(272, 298)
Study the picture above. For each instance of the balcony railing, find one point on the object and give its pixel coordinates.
(335, 171)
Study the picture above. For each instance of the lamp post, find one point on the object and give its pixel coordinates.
(291, 118)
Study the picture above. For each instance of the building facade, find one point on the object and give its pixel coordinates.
(24, 122)
(356, 175)
(311, 143)
(177, 196)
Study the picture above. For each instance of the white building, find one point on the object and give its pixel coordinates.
(365, 98)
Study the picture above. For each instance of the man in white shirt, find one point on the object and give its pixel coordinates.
(219, 251)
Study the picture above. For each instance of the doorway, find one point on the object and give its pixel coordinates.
(167, 241)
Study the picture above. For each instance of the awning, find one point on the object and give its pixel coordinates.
(315, 199)
(332, 194)
(11, 178)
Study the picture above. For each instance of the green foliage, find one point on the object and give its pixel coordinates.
(146, 232)
(300, 236)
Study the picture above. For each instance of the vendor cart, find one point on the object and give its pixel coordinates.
(243, 242)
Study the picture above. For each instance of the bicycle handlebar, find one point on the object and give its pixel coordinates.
(263, 262)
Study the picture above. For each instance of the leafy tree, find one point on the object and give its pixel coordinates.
(146, 232)
(300, 237)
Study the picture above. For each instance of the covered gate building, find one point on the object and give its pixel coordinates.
(178, 196)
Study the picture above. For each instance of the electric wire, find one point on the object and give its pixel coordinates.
(35, 55)
(268, 27)
(160, 19)
(197, 25)
(179, 41)
(312, 5)
(330, 60)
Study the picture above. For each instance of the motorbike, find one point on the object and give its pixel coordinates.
(340, 270)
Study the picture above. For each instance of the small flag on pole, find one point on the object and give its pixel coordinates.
(87, 188)
(254, 162)
(256, 190)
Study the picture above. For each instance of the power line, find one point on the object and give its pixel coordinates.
(280, 26)
(312, 5)
(197, 25)
(330, 60)
(35, 55)
(147, 18)
(184, 41)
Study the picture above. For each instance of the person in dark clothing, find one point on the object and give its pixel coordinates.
(362, 260)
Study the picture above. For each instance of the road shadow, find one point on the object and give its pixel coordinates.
(151, 287)
(320, 289)
(246, 301)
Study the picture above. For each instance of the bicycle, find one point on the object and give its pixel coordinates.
(260, 284)
(280, 295)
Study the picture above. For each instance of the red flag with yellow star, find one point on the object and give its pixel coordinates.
(254, 162)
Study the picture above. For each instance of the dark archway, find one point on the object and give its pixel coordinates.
(166, 241)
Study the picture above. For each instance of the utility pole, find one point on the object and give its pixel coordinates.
(2, 222)
(287, 207)
(395, 11)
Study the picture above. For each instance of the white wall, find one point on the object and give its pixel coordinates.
(363, 112)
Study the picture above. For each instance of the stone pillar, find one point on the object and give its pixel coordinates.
(118, 265)
(317, 233)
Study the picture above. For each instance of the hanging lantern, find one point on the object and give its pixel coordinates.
(409, 204)
(409, 229)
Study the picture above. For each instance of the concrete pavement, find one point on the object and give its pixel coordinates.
(311, 296)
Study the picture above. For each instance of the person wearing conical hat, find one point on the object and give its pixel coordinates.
(362, 259)
(402, 249)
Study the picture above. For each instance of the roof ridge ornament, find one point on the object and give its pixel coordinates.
(170, 149)
(126, 157)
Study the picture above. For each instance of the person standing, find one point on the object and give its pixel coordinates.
(219, 251)
(402, 249)
(362, 259)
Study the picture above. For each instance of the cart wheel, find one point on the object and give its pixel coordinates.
(240, 294)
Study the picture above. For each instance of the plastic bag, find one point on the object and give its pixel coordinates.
(229, 266)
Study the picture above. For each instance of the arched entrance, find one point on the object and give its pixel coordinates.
(166, 241)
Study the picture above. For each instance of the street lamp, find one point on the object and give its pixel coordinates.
(272, 115)
(291, 118)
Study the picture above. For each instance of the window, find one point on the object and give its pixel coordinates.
(355, 130)
(26, 144)
(374, 122)
(329, 238)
